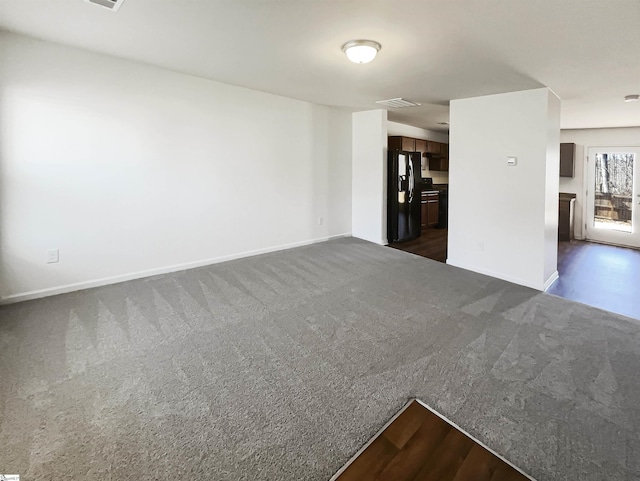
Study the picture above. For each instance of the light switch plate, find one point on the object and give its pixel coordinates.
(512, 161)
(53, 256)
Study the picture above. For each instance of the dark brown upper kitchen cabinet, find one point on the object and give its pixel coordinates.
(440, 164)
(402, 143)
(436, 152)
(433, 147)
(439, 161)
(567, 159)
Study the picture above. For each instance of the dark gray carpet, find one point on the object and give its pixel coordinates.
(279, 367)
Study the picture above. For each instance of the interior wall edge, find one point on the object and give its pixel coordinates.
(79, 286)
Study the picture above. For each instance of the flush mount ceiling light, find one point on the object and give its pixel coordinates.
(361, 51)
(632, 98)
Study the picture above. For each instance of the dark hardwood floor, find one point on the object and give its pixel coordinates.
(599, 275)
(432, 244)
(420, 446)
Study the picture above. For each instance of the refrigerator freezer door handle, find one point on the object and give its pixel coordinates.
(411, 180)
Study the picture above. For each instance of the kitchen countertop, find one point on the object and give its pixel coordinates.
(434, 188)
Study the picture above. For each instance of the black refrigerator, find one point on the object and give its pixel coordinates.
(403, 196)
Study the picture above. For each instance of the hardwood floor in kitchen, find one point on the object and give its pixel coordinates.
(599, 275)
(431, 244)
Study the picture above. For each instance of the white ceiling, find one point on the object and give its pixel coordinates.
(433, 51)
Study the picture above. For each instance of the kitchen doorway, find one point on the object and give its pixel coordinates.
(613, 196)
(432, 244)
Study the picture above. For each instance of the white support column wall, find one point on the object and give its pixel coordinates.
(503, 219)
(369, 176)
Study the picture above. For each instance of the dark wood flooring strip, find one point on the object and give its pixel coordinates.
(445, 461)
(479, 463)
(410, 459)
(405, 426)
(504, 472)
(371, 461)
(420, 446)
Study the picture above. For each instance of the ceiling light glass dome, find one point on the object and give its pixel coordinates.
(361, 51)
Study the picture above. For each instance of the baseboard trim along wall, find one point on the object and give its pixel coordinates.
(78, 286)
(515, 280)
(382, 242)
(554, 277)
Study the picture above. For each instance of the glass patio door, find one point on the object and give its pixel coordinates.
(613, 197)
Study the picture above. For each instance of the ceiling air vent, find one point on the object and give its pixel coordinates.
(112, 5)
(397, 103)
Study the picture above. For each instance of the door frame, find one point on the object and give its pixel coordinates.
(613, 237)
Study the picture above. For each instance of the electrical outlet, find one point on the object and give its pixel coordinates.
(53, 256)
(320, 220)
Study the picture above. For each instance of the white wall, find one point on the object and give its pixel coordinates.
(585, 138)
(503, 220)
(395, 128)
(132, 170)
(551, 190)
(369, 185)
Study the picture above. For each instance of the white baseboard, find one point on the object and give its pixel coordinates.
(612, 244)
(497, 275)
(552, 278)
(78, 286)
(381, 241)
